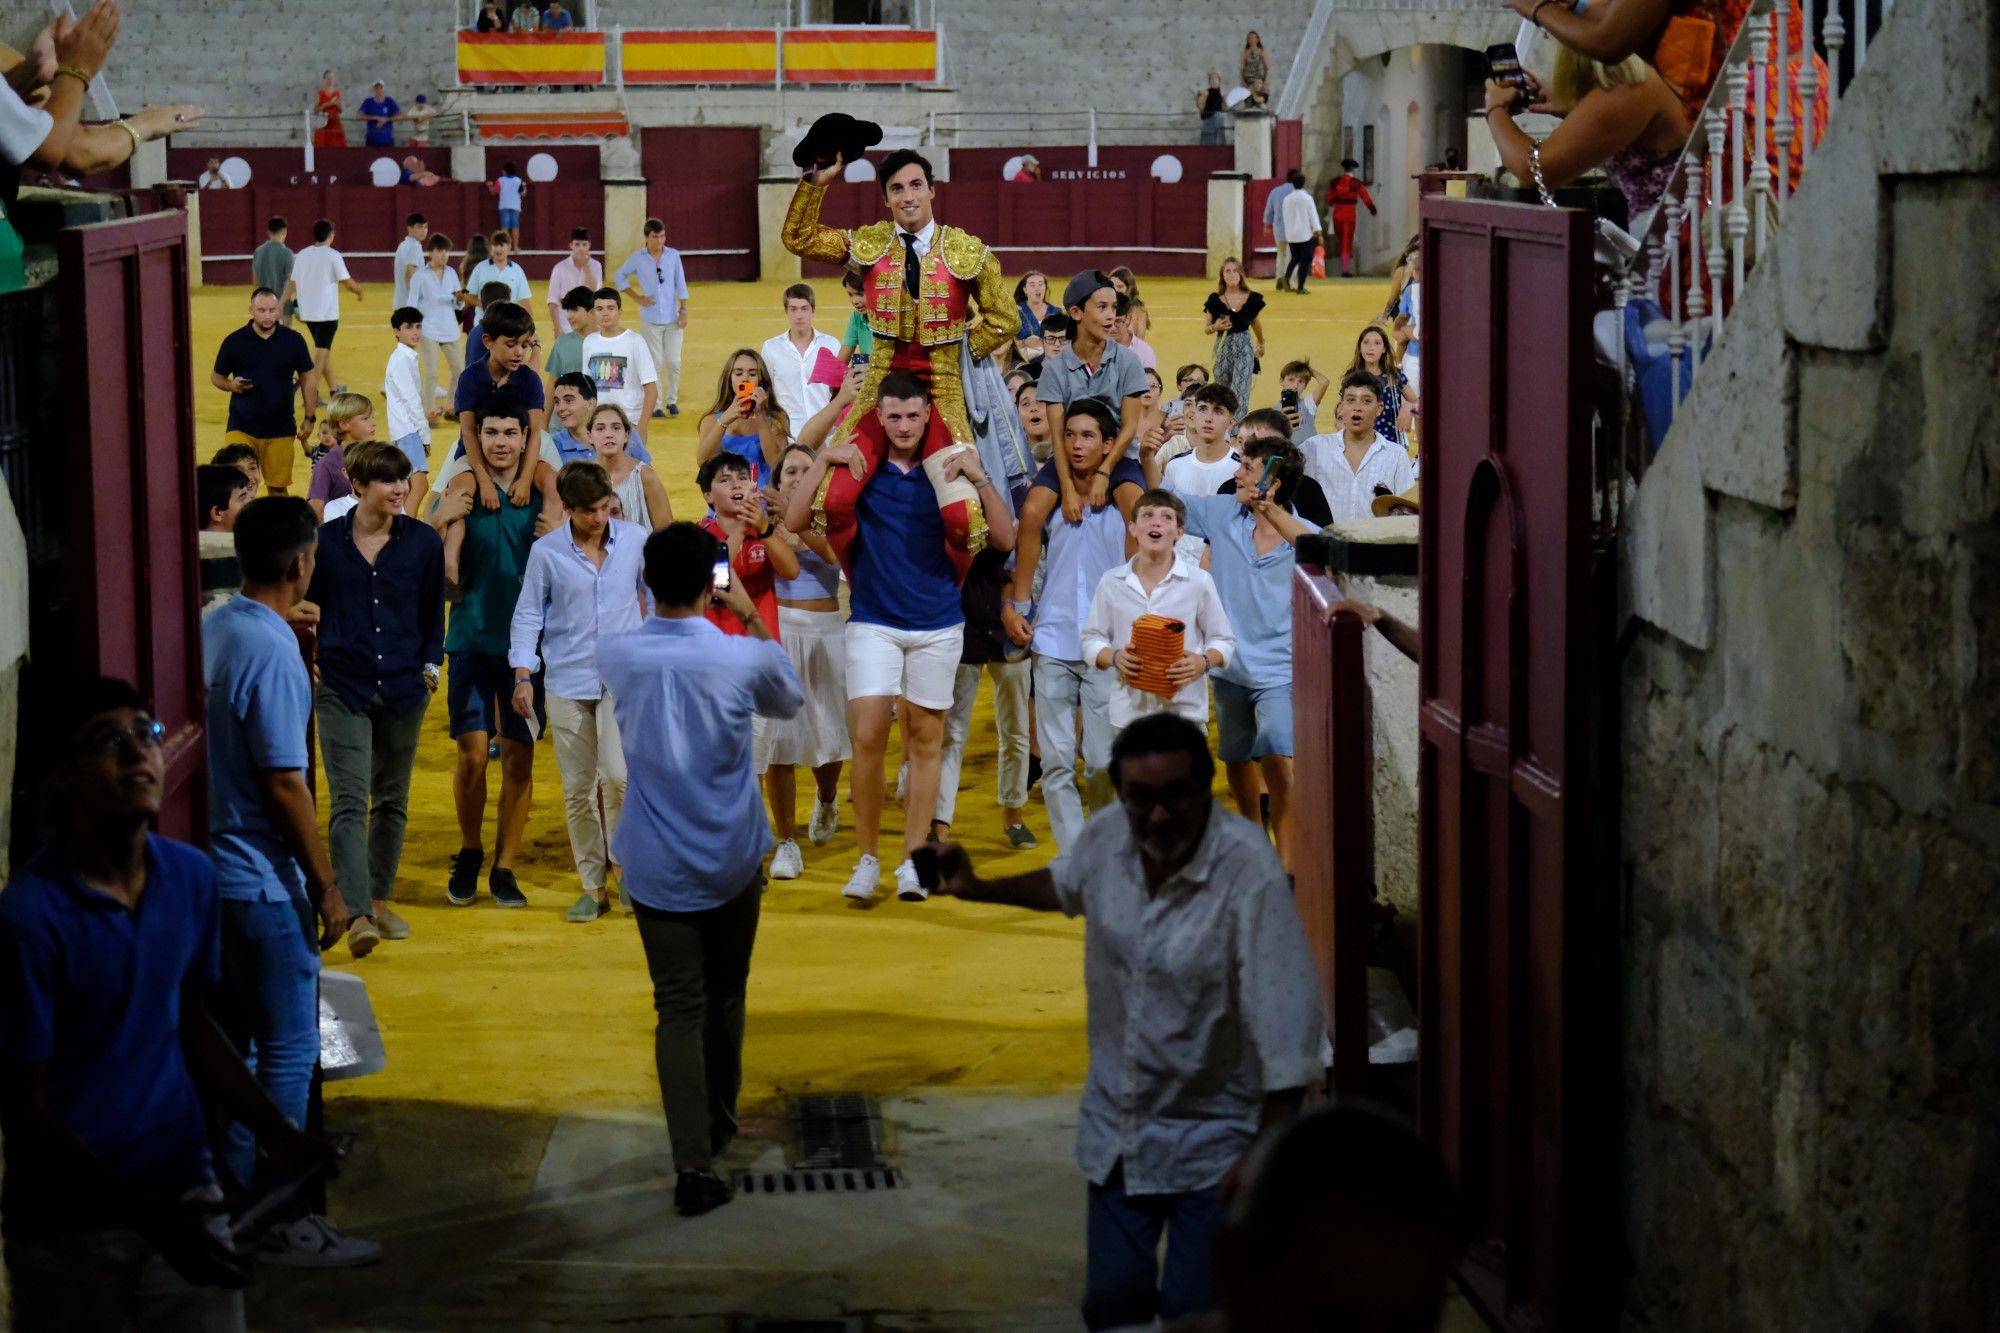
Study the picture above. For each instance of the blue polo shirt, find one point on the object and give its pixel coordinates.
(259, 702)
(902, 576)
(476, 384)
(94, 990)
(1256, 590)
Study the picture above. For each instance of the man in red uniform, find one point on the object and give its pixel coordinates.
(1342, 194)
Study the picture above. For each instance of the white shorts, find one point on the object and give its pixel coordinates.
(920, 665)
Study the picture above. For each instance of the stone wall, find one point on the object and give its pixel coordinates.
(1812, 747)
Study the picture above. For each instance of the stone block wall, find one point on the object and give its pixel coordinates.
(1812, 749)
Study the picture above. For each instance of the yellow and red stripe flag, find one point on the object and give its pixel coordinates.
(530, 57)
(824, 55)
(720, 55)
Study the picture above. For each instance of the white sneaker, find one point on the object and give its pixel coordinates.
(314, 1242)
(867, 874)
(825, 823)
(786, 863)
(903, 782)
(907, 887)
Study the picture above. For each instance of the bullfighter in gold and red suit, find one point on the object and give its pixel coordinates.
(932, 294)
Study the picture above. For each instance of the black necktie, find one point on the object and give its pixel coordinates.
(910, 281)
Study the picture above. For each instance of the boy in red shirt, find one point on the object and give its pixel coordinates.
(740, 522)
(1345, 191)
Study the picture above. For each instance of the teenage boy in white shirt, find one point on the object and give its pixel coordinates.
(409, 256)
(434, 291)
(1213, 460)
(791, 355)
(576, 270)
(1157, 581)
(410, 413)
(621, 363)
(318, 274)
(1350, 464)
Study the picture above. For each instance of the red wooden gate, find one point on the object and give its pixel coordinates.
(1518, 937)
(703, 185)
(131, 565)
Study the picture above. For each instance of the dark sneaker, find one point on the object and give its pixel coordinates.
(697, 1192)
(463, 886)
(673, 409)
(1021, 837)
(504, 890)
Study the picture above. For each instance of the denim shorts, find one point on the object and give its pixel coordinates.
(1252, 722)
(416, 446)
(479, 690)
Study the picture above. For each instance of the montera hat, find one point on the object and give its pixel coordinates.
(835, 134)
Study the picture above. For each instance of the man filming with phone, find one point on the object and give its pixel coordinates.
(693, 835)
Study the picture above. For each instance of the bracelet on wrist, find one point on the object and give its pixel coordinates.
(73, 72)
(132, 130)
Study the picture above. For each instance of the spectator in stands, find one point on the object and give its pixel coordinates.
(1374, 352)
(622, 364)
(1623, 117)
(572, 401)
(490, 18)
(508, 185)
(1250, 538)
(1126, 283)
(419, 116)
(1031, 299)
(557, 19)
(271, 869)
(212, 177)
(258, 366)
(577, 318)
(1346, 190)
(434, 291)
(584, 582)
(1028, 172)
(379, 583)
(1302, 235)
(415, 173)
(1204, 1015)
(745, 419)
(326, 103)
(318, 275)
(411, 413)
(221, 492)
(491, 559)
(500, 266)
(409, 257)
(381, 113)
(1233, 314)
(526, 18)
(906, 626)
(111, 1213)
(271, 264)
(791, 356)
(1301, 390)
(1094, 366)
(692, 867)
(642, 498)
(1345, 1218)
(1253, 67)
(1080, 553)
(663, 310)
(1156, 581)
(1209, 106)
(574, 270)
(1356, 463)
(811, 627)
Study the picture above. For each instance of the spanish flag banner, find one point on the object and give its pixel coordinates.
(847, 55)
(720, 55)
(530, 57)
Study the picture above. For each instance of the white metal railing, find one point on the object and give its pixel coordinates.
(1729, 191)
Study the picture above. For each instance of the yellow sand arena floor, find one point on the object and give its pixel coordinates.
(512, 1017)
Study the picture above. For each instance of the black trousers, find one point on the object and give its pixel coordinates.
(700, 965)
(1302, 264)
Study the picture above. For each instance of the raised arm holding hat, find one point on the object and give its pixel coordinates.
(928, 289)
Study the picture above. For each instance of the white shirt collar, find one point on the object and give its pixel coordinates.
(1178, 570)
(924, 236)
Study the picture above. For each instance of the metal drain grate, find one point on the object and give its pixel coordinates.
(839, 1131)
(817, 1182)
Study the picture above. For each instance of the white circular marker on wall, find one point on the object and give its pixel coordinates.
(1010, 168)
(860, 169)
(541, 167)
(384, 172)
(1166, 167)
(236, 171)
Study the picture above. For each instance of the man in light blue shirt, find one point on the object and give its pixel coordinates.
(584, 581)
(272, 871)
(499, 266)
(1251, 558)
(1274, 222)
(693, 834)
(657, 278)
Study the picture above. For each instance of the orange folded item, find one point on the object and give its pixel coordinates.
(1158, 643)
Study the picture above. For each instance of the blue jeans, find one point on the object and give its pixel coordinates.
(1123, 1282)
(510, 218)
(270, 967)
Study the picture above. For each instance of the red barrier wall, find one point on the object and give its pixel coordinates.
(287, 166)
(702, 182)
(1072, 162)
(1059, 226)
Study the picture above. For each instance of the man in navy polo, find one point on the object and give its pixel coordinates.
(109, 937)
